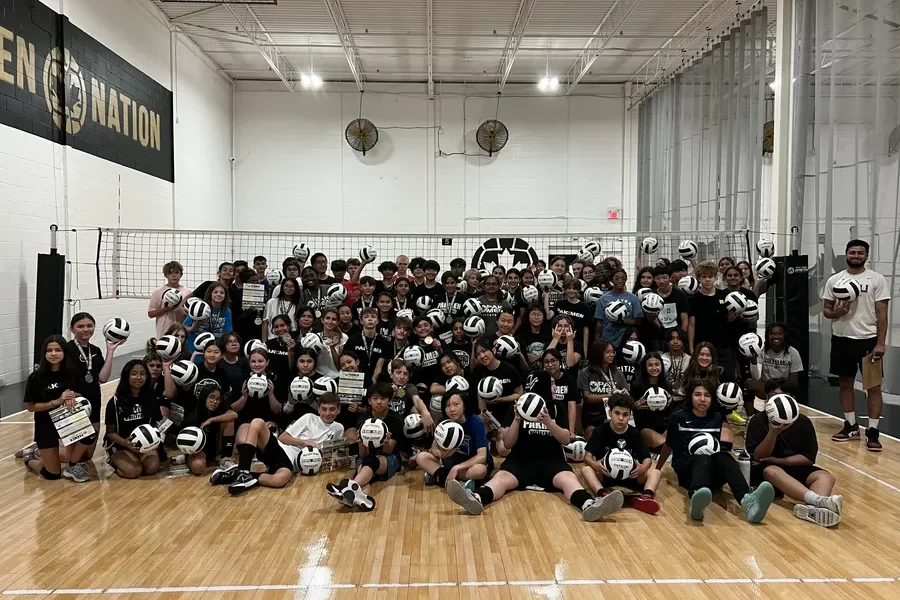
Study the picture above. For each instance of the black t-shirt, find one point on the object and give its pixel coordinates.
(385, 329)
(126, 414)
(369, 350)
(423, 290)
(463, 352)
(429, 371)
(799, 438)
(394, 425)
(652, 334)
(77, 359)
(206, 377)
(533, 343)
(281, 367)
(581, 314)
(507, 375)
(46, 387)
(629, 370)
(536, 442)
(567, 390)
(362, 304)
(452, 305)
(490, 311)
(685, 425)
(710, 318)
(401, 402)
(674, 305)
(236, 373)
(737, 327)
(604, 439)
(390, 350)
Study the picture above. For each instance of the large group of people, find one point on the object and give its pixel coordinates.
(397, 344)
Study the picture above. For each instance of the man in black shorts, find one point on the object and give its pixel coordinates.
(858, 330)
(536, 461)
(260, 440)
(785, 456)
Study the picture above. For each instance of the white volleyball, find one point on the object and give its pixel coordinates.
(184, 372)
(199, 310)
(423, 303)
(257, 385)
(766, 248)
(782, 409)
(750, 344)
(650, 245)
(846, 289)
(473, 326)
(168, 347)
(575, 450)
(413, 428)
(436, 317)
(652, 303)
(324, 385)
(729, 395)
(449, 435)
(490, 388)
(703, 444)
(751, 310)
(457, 383)
(506, 346)
(530, 294)
(735, 302)
(145, 438)
(301, 252)
(413, 356)
(547, 279)
(591, 295)
(764, 268)
(367, 254)
(657, 398)
(634, 351)
(309, 461)
(116, 330)
(313, 342)
(689, 285)
(251, 345)
(619, 463)
(171, 298)
(471, 307)
(202, 340)
(190, 440)
(530, 405)
(592, 248)
(373, 432)
(617, 311)
(687, 249)
(274, 277)
(336, 293)
(301, 388)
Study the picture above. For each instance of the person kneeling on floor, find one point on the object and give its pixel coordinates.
(785, 456)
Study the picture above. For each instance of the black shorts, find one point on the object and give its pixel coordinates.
(631, 484)
(537, 472)
(847, 355)
(274, 457)
(801, 473)
(592, 417)
(45, 435)
(500, 410)
(654, 420)
(211, 446)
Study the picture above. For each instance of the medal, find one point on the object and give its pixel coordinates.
(429, 340)
(257, 321)
(89, 378)
(318, 313)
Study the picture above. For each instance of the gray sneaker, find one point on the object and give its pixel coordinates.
(603, 506)
(820, 516)
(76, 473)
(458, 493)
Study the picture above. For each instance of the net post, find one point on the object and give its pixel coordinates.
(97, 262)
(49, 295)
(116, 259)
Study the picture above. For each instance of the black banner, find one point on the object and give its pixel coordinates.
(59, 83)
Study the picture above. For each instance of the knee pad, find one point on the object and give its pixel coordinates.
(372, 462)
(48, 475)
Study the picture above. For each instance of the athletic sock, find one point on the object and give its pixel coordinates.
(72, 464)
(246, 452)
(485, 494)
(873, 422)
(727, 446)
(650, 493)
(810, 497)
(227, 446)
(440, 476)
(580, 499)
(850, 417)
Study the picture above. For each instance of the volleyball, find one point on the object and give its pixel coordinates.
(591, 295)
(735, 302)
(846, 289)
(657, 398)
(301, 388)
(766, 248)
(649, 245)
(619, 463)
(506, 296)
(617, 311)
(471, 307)
(633, 351)
(547, 279)
(585, 254)
(530, 294)
(406, 313)
(423, 303)
(145, 438)
(703, 444)
(414, 356)
(592, 248)
(449, 435)
(199, 310)
(257, 385)
(729, 395)
(324, 385)
(336, 293)
(116, 330)
(483, 273)
(274, 277)
(309, 461)
(458, 383)
(750, 344)
(172, 298)
(751, 310)
(506, 346)
(642, 292)
(782, 409)
(436, 402)
(312, 341)
(184, 372)
(203, 340)
(436, 317)
(413, 428)
(764, 268)
(373, 432)
(190, 440)
(575, 449)
(168, 347)
(301, 252)
(190, 300)
(367, 254)
(530, 405)
(473, 326)
(687, 249)
(652, 303)
(83, 404)
(490, 388)
(462, 286)
(252, 345)
(689, 285)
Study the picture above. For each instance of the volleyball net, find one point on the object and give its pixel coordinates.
(129, 261)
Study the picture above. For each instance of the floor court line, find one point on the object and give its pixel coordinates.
(890, 486)
(831, 416)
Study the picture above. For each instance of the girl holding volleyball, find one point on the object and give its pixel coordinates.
(281, 350)
(235, 366)
(652, 422)
(133, 405)
(219, 320)
(472, 461)
(215, 417)
(266, 407)
(700, 461)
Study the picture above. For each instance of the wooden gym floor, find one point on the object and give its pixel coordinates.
(180, 537)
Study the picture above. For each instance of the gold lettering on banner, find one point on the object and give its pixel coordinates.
(5, 55)
(112, 117)
(126, 104)
(98, 101)
(155, 131)
(144, 124)
(25, 56)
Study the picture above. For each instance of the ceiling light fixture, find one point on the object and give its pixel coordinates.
(547, 83)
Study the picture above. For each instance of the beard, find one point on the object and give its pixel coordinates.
(855, 262)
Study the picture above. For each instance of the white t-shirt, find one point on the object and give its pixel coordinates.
(311, 428)
(776, 365)
(859, 323)
(325, 363)
(275, 307)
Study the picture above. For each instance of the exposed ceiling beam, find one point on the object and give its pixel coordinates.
(608, 27)
(194, 13)
(251, 25)
(350, 50)
(430, 26)
(511, 48)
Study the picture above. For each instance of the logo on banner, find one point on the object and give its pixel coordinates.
(65, 75)
(510, 253)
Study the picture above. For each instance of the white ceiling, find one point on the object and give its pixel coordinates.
(469, 36)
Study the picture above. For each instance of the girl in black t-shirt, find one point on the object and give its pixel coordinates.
(402, 299)
(386, 313)
(306, 367)
(562, 337)
(458, 344)
(158, 381)
(48, 388)
(235, 366)
(281, 356)
(565, 388)
(533, 337)
(572, 306)
(629, 369)
(215, 417)
(651, 423)
(450, 367)
(267, 408)
(133, 405)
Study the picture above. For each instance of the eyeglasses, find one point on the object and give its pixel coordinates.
(551, 361)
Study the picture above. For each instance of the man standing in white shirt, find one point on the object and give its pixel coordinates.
(858, 331)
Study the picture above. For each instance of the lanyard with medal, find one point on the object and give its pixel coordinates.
(451, 302)
(369, 345)
(318, 301)
(88, 359)
(403, 307)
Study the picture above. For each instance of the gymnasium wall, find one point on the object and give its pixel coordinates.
(43, 183)
(569, 161)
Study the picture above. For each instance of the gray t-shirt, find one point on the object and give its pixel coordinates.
(776, 365)
(596, 382)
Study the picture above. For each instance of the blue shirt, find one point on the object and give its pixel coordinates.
(219, 322)
(614, 332)
(475, 437)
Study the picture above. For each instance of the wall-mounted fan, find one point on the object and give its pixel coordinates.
(492, 136)
(362, 135)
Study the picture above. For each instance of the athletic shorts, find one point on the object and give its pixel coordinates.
(801, 473)
(211, 445)
(393, 466)
(274, 457)
(45, 435)
(538, 472)
(847, 355)
(654, 420)
(631, 484)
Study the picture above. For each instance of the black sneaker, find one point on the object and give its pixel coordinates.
(242, 483)
(224, 476)
(847, 433)
(872, 443)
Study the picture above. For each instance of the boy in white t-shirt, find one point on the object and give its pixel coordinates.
(858, 331)
(166, 316)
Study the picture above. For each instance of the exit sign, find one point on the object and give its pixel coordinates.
(613, 214)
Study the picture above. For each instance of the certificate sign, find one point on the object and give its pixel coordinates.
(351, 387)
(254, 296)
(72, 425)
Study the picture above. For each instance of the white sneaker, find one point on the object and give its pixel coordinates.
(833, 503)
(603, 506)
(820, 516)
(226, 463)
(360, 498)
